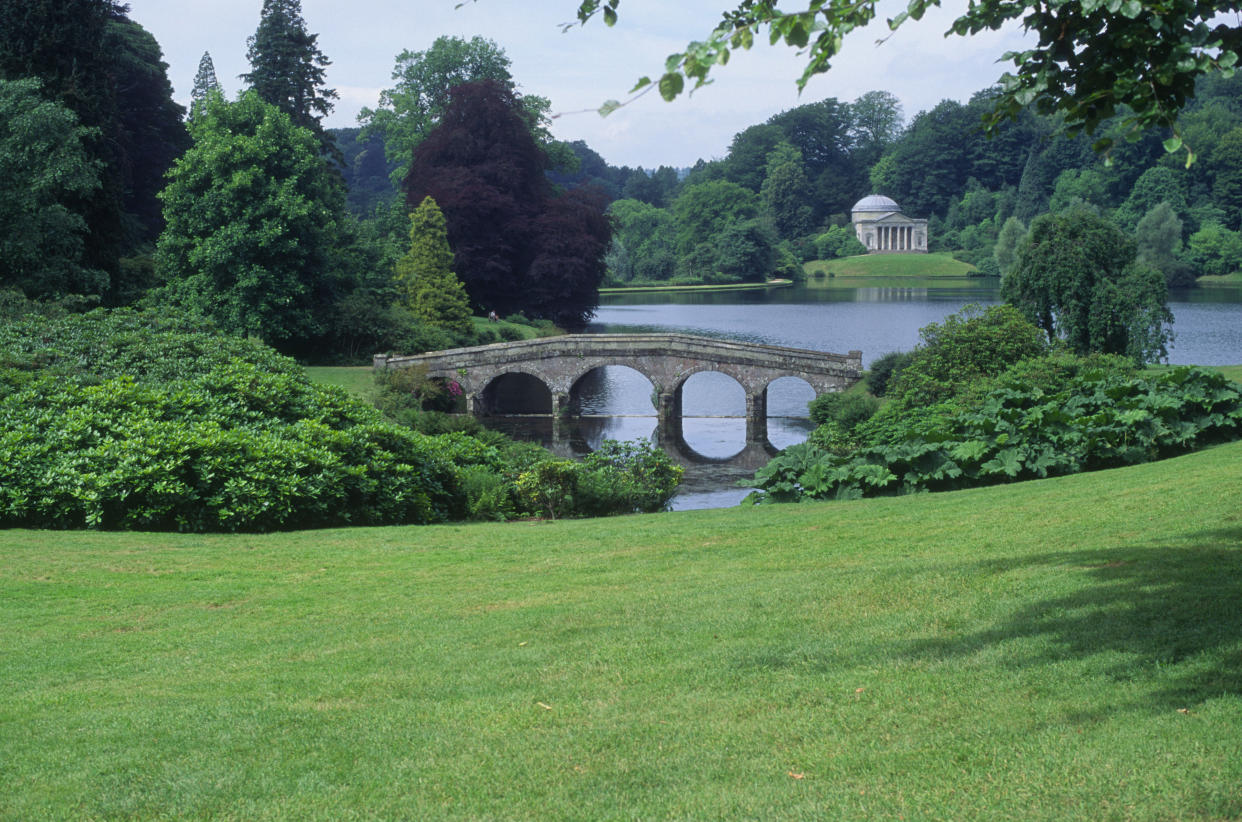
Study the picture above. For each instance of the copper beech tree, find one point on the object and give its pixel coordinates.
(518, 244)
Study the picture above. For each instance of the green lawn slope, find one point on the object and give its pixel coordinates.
(892, 265)
(1061, 649)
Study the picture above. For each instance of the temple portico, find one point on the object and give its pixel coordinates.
(882, 228)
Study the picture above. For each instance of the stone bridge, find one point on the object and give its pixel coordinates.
(668, 360)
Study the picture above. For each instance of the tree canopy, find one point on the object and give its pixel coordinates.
(518, 245)
(408, 111)
(1092, 59)
(1076, 276)
(45, 170)
(287, 69)
(254, 228)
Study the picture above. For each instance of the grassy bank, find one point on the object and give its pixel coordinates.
(658, 289)
(1068, 648)
(891, 265)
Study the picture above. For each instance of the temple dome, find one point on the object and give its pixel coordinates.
(876, 203)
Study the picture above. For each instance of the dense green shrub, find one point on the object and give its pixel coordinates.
(884, 368)
(617, 478)
(845, 410)
(122, 420)
(625, 478)
(1098, 419)
(971, 344)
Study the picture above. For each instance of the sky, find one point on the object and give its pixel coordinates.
(580, 69)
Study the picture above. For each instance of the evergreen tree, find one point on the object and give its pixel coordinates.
(205, 81)
(152, 130)
(425, 275)
(287, 69)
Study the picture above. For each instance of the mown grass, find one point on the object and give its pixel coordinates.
(356, 379)
(1062, 649)
(1225, 279)
(940, 264)
(719, 287)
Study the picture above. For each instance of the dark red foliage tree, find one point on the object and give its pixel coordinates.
(517, 244)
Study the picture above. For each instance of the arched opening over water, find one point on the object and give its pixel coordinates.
(517, 393)
(713, 415)
(613, 390)
(788, 418)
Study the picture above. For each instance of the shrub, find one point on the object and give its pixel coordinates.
(884, 369)
(1100, 418)
(624, 478)
(123, 420)
(846, 410)
(969, 345)
(549, 487)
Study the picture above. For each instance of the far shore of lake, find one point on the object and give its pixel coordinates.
(652, 289)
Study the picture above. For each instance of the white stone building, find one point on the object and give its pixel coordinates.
(883, 229)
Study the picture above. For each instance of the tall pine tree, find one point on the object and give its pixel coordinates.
(287, 69)
(205, 82)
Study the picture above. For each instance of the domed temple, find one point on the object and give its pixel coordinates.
(883, 229)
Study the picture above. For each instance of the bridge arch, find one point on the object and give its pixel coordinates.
(641, 403)
(516, 391)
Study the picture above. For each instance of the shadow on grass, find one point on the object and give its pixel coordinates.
(1171, 614)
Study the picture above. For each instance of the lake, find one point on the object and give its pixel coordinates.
(824, 314)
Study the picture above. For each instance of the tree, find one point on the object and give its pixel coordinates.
(1156, 185)
(151, 129)
(45, 169)
(425, 275)
(702, 212)
(786, 192)
(1092, 61)
(254, 224)
(424, 81)
(1158, 240)
(875, 122)
(932, 159)
(747, 163)
(205, 81)
(1010, 237)
(287, 69)
(1077, 278)
(518, 245)
(1226, 159)
(60, 42)
(646, 234)
(1216, 251)
(110, 73)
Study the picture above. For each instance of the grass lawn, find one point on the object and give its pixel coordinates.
(356, 379)
(1062, 649)
(940, 264)
(644, 289)
(1226, 279)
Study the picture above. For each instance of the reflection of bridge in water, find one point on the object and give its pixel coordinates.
(667, 360)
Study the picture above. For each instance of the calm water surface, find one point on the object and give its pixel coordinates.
(825, 315)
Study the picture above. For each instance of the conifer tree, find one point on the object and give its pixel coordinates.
(425, 274)
(205, 81)
(287, 68)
